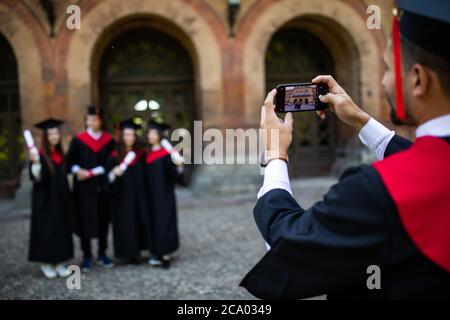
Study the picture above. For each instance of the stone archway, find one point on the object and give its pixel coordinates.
(336, 19)
(29, 63)
(146, 58)
(105, 14)
(29, 82)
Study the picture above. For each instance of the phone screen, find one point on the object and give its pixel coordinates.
(300, 97)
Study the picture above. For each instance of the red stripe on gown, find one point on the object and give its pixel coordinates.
(56, 157)
(155, 155)
(91, 143)
(418, 181)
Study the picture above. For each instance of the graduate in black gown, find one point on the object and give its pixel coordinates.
(383, 231)
(86, 160)
(129, 206)
(51, 233)
(162, 174)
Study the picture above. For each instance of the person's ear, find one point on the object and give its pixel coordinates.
(420, 80)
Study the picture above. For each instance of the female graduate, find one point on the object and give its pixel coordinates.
(51, 234)
(129, 209)
(161, 175)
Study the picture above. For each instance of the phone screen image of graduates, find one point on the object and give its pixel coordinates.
(300, 98)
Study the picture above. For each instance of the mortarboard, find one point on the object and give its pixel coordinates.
(49, 124)
(425, 24)
(92, 111)
(129, 124)
(163, 127)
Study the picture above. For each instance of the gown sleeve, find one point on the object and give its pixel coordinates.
(325, 248)
(175, 173)
(397, 144)
(71, 157)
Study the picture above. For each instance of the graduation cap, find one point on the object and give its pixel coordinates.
(163, 127)
(94, 111)
(425, 24)
(129, 124)
(49, 124)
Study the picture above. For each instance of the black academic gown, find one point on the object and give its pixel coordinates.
(161, 176)
(129, 209)
(327, 248)
(89, 196)
(51, 232)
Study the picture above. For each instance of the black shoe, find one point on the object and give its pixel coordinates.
(105, 262)
(86, 265)
(166, 264)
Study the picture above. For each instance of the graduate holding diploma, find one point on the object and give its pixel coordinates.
(161, 175)
(51, 233)
(129, 207)
(86, 160)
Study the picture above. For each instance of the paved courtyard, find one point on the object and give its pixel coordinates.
(219, 244)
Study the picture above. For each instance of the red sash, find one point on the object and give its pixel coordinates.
(91, 143)
(155, 155)
(56, 157)
(418, 181)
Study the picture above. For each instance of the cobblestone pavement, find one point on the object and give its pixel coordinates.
(219, 244)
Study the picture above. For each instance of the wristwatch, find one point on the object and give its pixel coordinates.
(268, 156)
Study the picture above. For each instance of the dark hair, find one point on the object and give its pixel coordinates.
(46, 151)
(121, 148)
(440, 65)
(104, 126)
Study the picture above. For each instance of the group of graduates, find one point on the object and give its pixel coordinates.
(100, 181)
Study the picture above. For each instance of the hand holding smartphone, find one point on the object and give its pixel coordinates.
(298, 97)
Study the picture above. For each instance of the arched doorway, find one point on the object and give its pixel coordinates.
(144, 64)
(296, 55)
(11, 151)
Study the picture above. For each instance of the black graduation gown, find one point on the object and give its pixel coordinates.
(327, 248)
(161, 176)
(129, 209)
(51, 232)
(89, 196)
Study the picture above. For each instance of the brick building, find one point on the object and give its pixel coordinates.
(209, 60)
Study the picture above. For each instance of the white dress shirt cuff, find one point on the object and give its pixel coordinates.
(275, 177)
(75, 168)
(376, 137)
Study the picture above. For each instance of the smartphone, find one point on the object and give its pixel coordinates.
(297, 97)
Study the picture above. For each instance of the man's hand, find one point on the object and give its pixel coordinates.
(275, 127)
(83, 174)
(341, 104)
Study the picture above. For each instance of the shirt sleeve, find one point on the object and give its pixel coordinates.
(275, 177)
(376, 137)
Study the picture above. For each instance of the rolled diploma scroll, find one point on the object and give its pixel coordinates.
(176, 156)
(128, 159)
(30, 143)
(97, 171)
